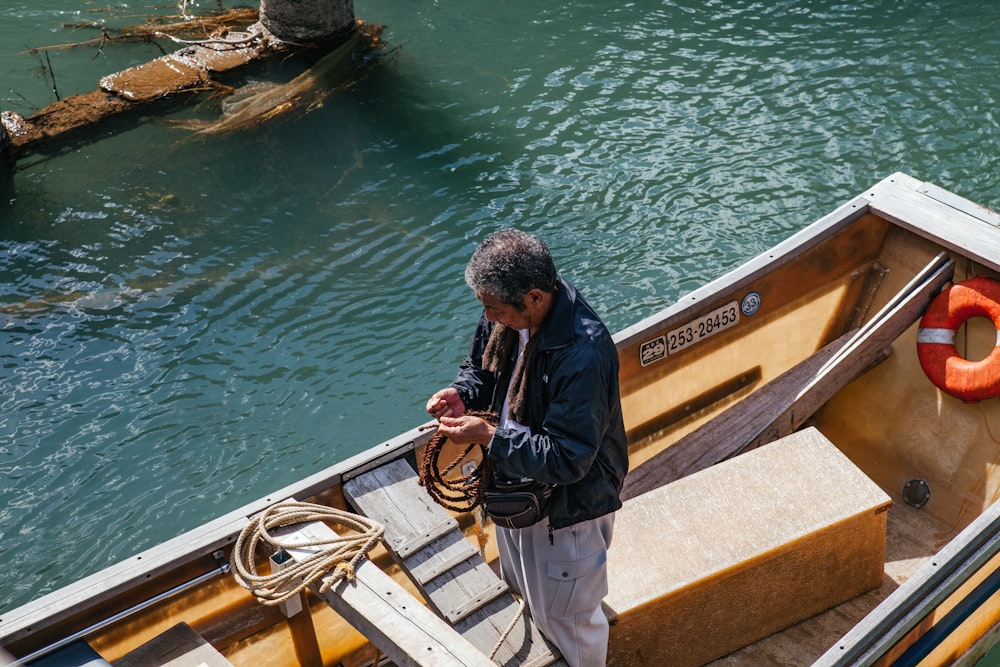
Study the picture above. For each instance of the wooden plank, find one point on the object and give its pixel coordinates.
(384, 612)
(785, 403)
(965, 228)
(393, 496)
(731, 430)
(180, 646)
(440, 556)
(454, 578)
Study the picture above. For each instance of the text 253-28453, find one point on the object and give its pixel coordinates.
(707, 325)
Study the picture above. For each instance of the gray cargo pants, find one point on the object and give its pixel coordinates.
(563, 583)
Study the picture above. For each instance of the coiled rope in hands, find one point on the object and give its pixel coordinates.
(462, 493)
(336, 560)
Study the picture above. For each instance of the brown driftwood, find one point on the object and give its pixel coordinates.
(216, 25)
(787, 402)
(189, 70)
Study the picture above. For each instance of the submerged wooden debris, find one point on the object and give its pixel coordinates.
(255, 103)
(189, 27)
(195, 68)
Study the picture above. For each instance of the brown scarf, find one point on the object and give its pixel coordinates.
(499, 350)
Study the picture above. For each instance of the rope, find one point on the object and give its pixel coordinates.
(340, 554)
(510, 627)
(461, 493)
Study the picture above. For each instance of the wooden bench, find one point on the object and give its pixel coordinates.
(449, 572)
(180, 646)
(728, 555)
(75, 654)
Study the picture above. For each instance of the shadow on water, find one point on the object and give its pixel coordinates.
(6, 177)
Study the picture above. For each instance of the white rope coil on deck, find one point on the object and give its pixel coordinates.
(336, 560)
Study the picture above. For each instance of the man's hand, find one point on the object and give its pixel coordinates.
(466, 430)
(446, 403)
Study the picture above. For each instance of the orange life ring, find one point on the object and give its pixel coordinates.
(953, 374)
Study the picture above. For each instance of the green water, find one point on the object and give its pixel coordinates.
(188, 323)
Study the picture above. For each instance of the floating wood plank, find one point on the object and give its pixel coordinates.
(384, 612)
(784, 404)
(450, 573)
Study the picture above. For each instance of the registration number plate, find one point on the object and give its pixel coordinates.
(685, 336)
(707, 325)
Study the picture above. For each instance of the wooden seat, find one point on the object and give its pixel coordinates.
(180, 646)
(450, 573)
(736, 552)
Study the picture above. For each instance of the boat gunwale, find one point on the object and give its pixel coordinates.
(895, 198)
(746, 273)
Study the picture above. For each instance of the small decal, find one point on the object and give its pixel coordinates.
(653, 350)
(750, 303)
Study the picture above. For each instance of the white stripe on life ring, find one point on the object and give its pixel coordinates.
(942, 336)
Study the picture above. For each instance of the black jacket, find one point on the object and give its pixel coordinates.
(577, 439)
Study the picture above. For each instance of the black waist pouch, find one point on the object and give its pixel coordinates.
(517, 504)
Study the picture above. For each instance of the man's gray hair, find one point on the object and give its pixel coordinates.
(508, 264)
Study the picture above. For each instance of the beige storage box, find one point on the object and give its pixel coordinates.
(731, 554)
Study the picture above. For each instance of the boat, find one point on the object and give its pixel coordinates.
(813, 448)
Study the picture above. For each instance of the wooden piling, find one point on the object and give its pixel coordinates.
(307, 20)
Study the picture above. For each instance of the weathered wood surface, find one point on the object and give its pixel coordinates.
(956, 223)
(384, 612)
(180, 646)
(448, 570)
(784, 404)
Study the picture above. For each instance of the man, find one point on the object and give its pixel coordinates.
(542, 360)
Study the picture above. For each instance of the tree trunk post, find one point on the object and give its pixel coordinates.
(307, 20)
(4, 142)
